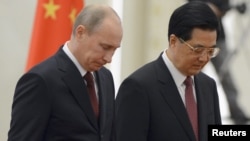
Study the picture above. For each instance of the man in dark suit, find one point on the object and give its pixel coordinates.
(51, 100)
(221, 62)
(151, 104)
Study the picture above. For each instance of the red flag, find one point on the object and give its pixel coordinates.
(52, 27)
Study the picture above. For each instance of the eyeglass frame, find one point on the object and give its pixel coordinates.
(216, 50)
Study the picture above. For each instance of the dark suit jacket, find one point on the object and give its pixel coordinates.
(149, 106)
(51, 104)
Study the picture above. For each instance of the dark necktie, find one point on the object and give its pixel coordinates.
(92, 94)
(191, 105)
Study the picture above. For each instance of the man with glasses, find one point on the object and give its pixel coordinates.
(221, 62)
(199, 50)
(155, 103)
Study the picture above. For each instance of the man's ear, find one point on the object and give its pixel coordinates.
(80, 31)
(172, 40)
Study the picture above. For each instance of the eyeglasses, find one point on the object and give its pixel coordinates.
(211, 51)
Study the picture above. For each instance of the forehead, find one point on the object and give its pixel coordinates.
(204, 35)
(110, 32)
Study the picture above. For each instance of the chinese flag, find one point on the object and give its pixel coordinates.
(52, 28)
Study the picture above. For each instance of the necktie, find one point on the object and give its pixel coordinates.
(191, 105)
(92, 94)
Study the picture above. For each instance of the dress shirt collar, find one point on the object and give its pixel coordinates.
(73, 59)
(176, 74)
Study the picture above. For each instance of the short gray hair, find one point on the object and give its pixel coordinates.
(92, 16)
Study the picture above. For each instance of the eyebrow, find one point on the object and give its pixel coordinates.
(200, 45)
(196, 45)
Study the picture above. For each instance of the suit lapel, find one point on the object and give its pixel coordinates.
(77, 87)
(172, 97)
(79, 91)
(201, 94)
(103, 99)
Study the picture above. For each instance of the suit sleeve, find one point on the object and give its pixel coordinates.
(132, 112)
(30, 109)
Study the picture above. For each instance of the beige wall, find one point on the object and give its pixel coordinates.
(15, 26)
(145, 36)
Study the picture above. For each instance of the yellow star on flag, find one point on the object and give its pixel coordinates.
(72, 15)
(51, 9)
(52, 27)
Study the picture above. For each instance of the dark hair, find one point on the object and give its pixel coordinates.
(222, 5)
(192, 15)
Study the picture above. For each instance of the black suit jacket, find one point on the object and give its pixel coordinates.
(51, 104)
(149, 106)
